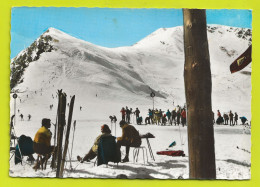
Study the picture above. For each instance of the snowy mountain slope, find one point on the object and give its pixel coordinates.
(128, 74)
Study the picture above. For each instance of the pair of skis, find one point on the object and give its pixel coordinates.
(60, 154)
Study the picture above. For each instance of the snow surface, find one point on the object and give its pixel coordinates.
(106, 79)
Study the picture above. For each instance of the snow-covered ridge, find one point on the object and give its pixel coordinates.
(154, 63)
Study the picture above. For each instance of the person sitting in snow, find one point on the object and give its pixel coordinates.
(94, 149)
(130, 138)
(42, 141)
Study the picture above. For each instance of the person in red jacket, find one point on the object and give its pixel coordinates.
(123, 111)
(183, 117)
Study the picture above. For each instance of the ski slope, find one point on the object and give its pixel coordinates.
(106, 79)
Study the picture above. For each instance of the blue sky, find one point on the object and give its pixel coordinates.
(105, 26)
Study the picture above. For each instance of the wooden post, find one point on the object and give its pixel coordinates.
(197, 78)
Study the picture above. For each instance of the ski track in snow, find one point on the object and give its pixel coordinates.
(122, 77)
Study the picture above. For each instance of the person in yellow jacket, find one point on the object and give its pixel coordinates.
(42, 139)
(130, 138)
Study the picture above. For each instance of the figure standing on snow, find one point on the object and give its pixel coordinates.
(220, 118)
(178, 116)
(168, 114)
(174, 116)
(128, 113)
(80, 108)
(29, 117)
(94, 149)
(226, 119)
(235, 118)
(130, 138)
(231, 115)
(137, 112)
(42, 141)
(183, 117)
(21, 117)
(123, 113)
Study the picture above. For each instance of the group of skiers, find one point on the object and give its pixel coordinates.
(176, 116)
(126, 114)
(21, 116)
(155, 116)
(228, 118)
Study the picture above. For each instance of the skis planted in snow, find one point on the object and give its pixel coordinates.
(61, 124)
(67, 136)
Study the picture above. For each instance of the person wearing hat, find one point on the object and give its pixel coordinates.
(42, 140)
(94, 149)
(130, 138)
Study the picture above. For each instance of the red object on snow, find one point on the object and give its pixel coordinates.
(171, 153)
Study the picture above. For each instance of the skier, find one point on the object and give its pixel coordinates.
(156, 117)
(164, 120)
(18, 111)
(160, 115)
(80, 108)
(183, 117)
(94, 149)
(178, 117)
(235, 118)
(137, 112)
(231, 118)
(21, 117)
(123, 113)
(42, 141)
(29, 117)
(130, 138)
(168, 114)
(150, 114)
(220, 118)
(128, 112)
(226, 119)
(174, 116)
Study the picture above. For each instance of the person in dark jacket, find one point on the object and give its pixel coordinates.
(128, 113)
(178, 117)
(231, 115)
(94, 149)
(130, 138)
(168, 114)
(137, 112)
(174, 116)
(235, 119)
(226, 119)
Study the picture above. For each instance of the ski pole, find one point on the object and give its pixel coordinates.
(115, 128)
(74, 127)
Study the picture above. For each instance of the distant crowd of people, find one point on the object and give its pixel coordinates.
(228, 118)
(177, 116)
